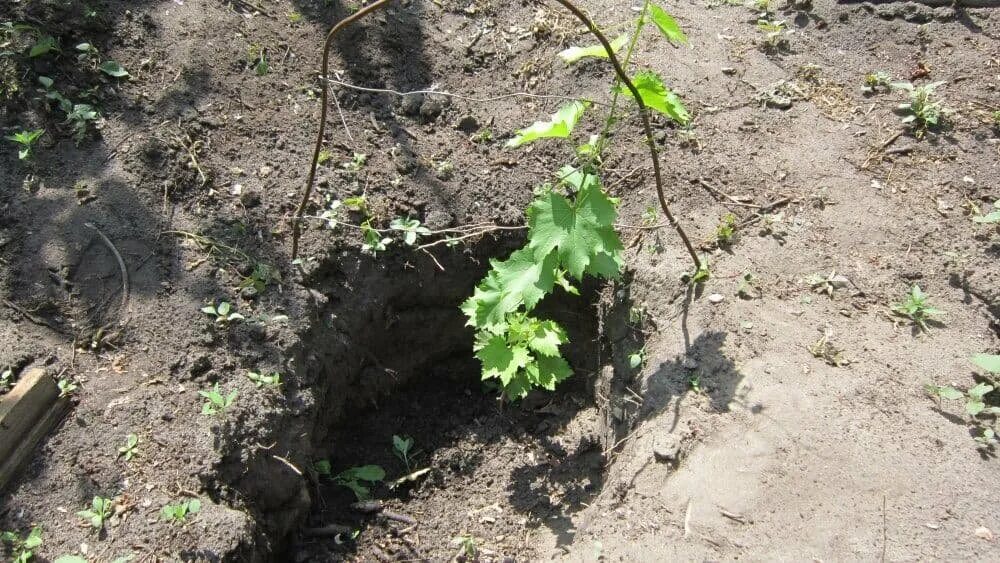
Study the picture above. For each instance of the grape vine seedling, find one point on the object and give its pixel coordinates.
(359, 479)
(26, 142)
(131, 447)
(215, 401)
(99, 511)
(21, 550)
(178, 513)
(571, 223)
(916, 308)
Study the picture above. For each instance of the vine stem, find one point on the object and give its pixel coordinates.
(647, 129)
(307, 193)
(619, 71)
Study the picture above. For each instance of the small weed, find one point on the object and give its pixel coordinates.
(99, 511)
(260, 65)
(483, 136)
(44, 45)
(6, 380)
(324, 157)
(975, 403)
(410, 228)
(725, 232)
(694, 382)
(131, 447)
(876, 81)
(294, 17)
(358, 479)
(650, 216)
(636, 316)
(25, 141)
(637, 359)
(80, 117)
(703, 273)
(824, 350)
(215, 402)
(827, 285)
(922, 111)
(916, 308)
(262, 276)
(66, 387)
(775, 34)
(989, 218)
(222, 313)
(178, 513)
(22, 550)
(466, 543)
(749, 287)
(401, 446)
(356, 163)
(272, 379)
(323, 468)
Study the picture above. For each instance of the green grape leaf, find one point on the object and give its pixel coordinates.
(580, 230)
(988, 362)
(667, 25)
(546, 338)
(657, 96)
(517, 388)
(574, 54)
(548, 371)
(560, 126)
(576, 178)
(500, 360)
(519, 280)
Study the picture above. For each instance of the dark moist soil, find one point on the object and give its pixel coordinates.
(731, 441)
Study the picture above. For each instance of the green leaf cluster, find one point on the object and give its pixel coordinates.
(178, 513)
(99, 511)
(22, 550)
(567, 236)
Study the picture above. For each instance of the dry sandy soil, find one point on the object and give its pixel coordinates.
(733, 440)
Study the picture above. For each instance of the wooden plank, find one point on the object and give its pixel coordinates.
(27, 413)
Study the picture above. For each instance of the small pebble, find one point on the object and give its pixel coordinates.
(716, 298)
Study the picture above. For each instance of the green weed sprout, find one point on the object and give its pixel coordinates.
(99, 511)
(215, 401)
(26, 142)
(177, 513)
(131, 447)
(916, 308)
(22, 549)
(923, 111)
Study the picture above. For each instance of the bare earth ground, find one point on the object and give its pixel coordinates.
(778, 456)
